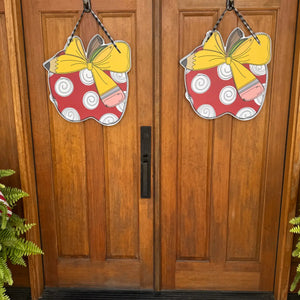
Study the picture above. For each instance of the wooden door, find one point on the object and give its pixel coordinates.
(96, 230)
(221, 180)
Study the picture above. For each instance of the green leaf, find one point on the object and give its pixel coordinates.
(12, 195)
(3, 215)
(17, 260)
(96, 52)
(296, 252)
(31, 248)
(298, 244)
(295, 229)
(3, 296)
(6, 273)
(24, 228)
(5, 173)
(295, 282)
(295, 221)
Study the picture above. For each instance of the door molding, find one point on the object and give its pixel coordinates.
(16, 55)
(291, 180)
(156, 146)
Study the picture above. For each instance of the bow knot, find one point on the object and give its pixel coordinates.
(89, 66)
(228, 60)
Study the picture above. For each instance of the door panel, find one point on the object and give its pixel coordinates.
(96, 231)
(221, 180)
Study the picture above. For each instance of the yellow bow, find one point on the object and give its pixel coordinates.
(105, 58)
(245, 51)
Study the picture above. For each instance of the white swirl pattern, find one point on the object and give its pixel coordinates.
(200, 84)
(90, 100)
(228, 95)
(258, 70)
(108, 119)
(224, 72)
(118, 77)
(64, 87)
(71, 114)
(120, 107)
(246, 113)
(86, 77)
(206, 111)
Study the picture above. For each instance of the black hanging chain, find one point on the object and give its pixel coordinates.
(85, 10)
(217, 24)
(230, 6)
(75, 28)
(246, 24)
(105, 31)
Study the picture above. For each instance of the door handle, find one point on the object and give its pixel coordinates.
(144, 181)
(145, 161)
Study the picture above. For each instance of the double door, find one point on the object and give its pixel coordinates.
(217, 184)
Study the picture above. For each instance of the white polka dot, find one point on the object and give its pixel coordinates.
(64, 87)
(86, 77)
(71, 114)
(119, 77)
(258, 70)
(228, 95)
(120, 107)
(206, 111)
(108, 119)
(90, 100)
(200, 83)
(246, 113)
(224, 72)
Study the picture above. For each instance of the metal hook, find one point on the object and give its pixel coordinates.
(229, 4)
(87, 6)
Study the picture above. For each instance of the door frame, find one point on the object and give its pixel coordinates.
(291, 179)
(14, 27)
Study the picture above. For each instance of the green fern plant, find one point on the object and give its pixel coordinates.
(296, 253)
(13, 246)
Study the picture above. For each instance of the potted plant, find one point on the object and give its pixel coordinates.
(13, 244)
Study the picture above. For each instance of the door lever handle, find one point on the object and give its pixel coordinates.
(144, 181)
